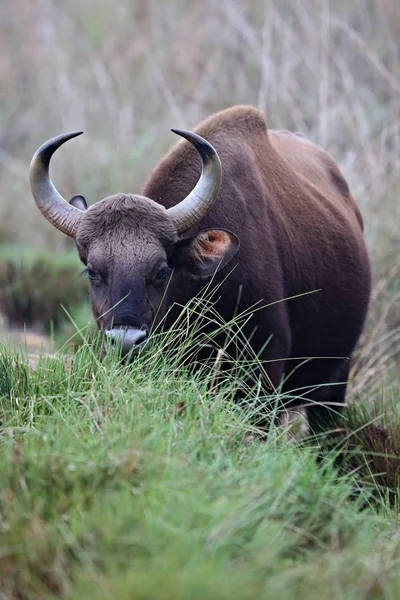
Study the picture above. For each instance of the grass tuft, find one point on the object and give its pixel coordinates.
(143, 480)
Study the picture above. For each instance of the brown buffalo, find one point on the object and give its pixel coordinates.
(299, 228)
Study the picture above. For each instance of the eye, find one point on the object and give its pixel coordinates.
(91, 274)
(162, 274)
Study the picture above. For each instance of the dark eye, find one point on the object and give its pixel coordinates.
(163, 274)
(91, 274)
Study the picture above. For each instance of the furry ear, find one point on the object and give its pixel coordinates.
(79, 202)
(206, 252)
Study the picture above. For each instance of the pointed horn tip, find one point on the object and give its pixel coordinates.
(46, 150)
(67, 136)
(74, 133)
(189, 135)
(202, 145)
(181, 132)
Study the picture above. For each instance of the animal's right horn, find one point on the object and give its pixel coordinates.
(51, 204)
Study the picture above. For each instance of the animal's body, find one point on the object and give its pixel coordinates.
(300, 233)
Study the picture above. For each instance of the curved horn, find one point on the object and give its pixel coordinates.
(51, 204)
(197, 204)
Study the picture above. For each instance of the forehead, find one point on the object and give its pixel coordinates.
(125, 220)
(125, 257)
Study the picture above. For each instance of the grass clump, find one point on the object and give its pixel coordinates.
(143, 481)
(368, 446)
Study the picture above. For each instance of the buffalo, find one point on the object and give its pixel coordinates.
(279, 228)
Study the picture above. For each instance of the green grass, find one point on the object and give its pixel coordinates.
(138, 482)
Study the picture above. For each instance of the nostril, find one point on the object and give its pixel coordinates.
(142, 334)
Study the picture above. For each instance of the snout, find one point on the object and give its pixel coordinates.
(127, 339)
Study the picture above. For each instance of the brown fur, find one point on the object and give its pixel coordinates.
(299, 229)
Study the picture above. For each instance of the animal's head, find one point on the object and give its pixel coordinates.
(130, 245)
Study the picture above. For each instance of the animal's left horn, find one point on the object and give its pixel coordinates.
(51, 204)
(197, 204)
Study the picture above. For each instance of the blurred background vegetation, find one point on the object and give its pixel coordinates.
(127, 71)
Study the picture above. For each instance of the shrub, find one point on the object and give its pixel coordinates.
(36, 285)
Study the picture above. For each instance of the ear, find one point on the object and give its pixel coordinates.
(205, 253)
(79, 202)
